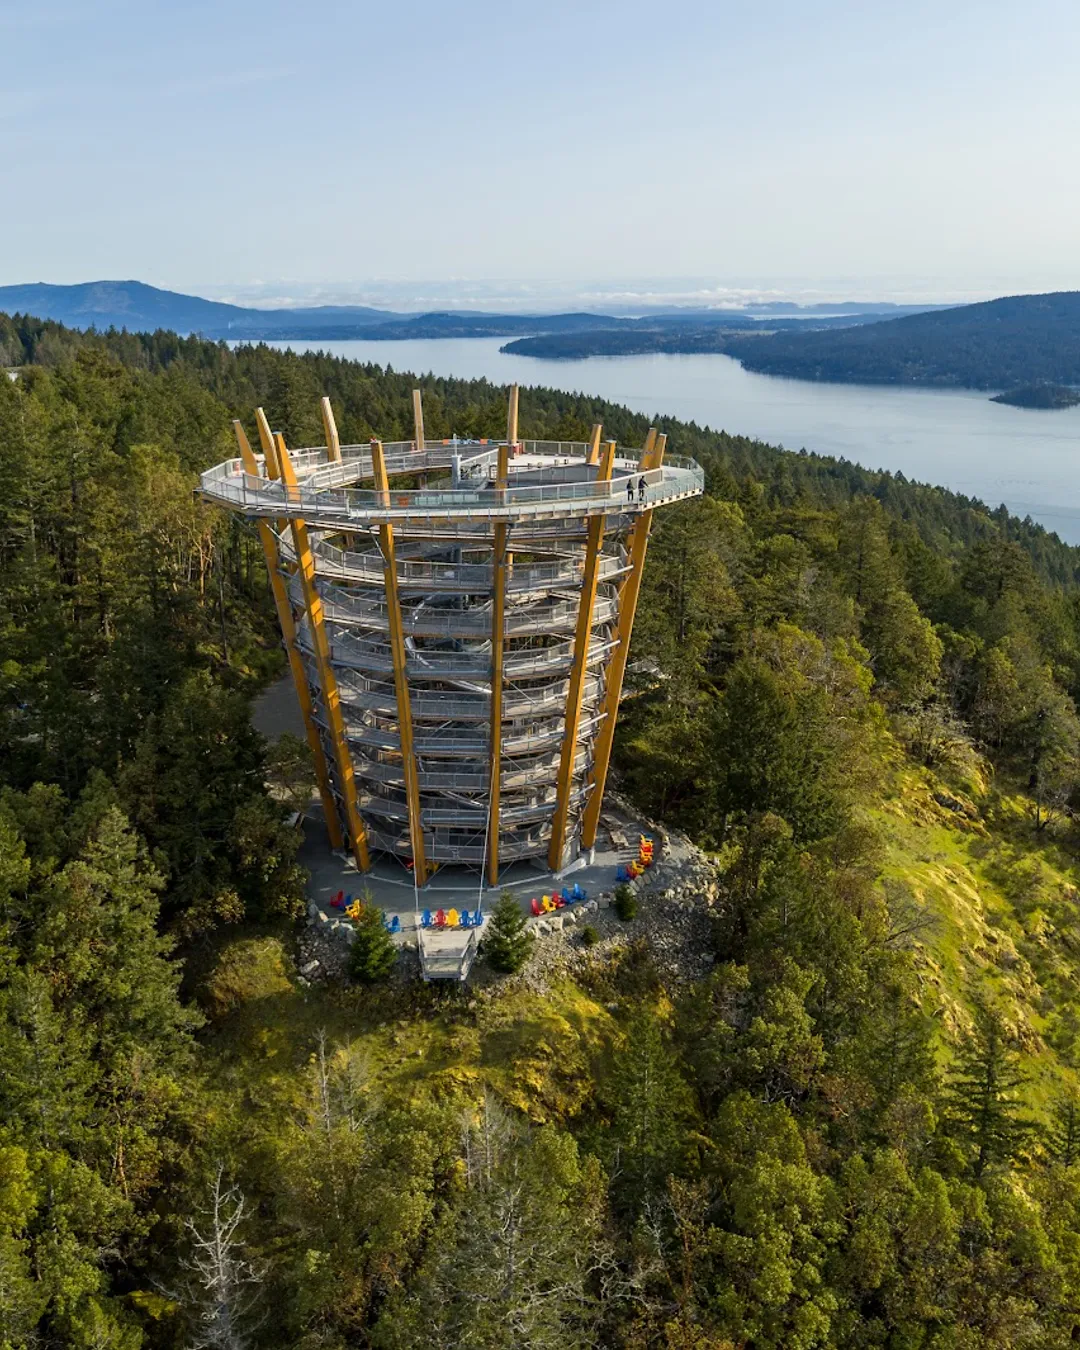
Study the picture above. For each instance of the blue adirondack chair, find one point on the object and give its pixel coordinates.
(425, 919)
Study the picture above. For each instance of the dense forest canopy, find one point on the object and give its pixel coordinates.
(861, 1129)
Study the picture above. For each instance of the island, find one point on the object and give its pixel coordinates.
(1039, 396)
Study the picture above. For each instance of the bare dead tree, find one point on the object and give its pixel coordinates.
(909, 920)
(222, 1287)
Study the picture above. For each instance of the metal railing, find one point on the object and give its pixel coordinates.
(442, 851)
(443, 964)
(466, 817)
(460, 578)
(357, 653)
(454, 744)
(228, 482)
(444, 707)
(537, 620)
(539, 773)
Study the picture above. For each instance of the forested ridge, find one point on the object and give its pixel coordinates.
(1000, 344)
(861, 1129)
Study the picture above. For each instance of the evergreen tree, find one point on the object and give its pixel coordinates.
(649, 1104)
(507, 941)
(373, 955)
(983, 1113)
(1065, 1131)
(514, 1262)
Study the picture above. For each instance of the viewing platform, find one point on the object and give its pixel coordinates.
(457, 617)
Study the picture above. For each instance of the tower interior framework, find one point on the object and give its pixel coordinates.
(457, 616)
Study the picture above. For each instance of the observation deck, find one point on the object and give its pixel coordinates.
(457, 616)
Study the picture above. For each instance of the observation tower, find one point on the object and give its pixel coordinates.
(457, 618)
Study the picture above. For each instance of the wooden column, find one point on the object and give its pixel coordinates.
(418, 418)
(333, 444)
(652, 457)
(576, 691)
(296, 663)
(401, 683)
(500, 562)
(269, 449)
(305, 567)
(592, 455)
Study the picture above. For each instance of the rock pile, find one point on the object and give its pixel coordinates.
(677, 899)
(323, 949)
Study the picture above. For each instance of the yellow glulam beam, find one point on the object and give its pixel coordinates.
(401, 683)
(305, 566)
(498, 643)
(592, 455)
(418, 418)
(333, 441)
(266, 440)
(652, 457)
(578, 671)
(272, 555)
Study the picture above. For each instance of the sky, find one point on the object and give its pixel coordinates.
(325, 150)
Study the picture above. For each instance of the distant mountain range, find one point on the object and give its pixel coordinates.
(1015, 343)
(141, 308)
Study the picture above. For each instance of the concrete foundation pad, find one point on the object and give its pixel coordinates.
(391, 887)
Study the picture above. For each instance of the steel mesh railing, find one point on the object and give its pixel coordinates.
(228, 482)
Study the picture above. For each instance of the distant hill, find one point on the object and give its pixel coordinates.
(449, 325)
(144, 309)
(141, 308)
(1001, 344)
(689, 332)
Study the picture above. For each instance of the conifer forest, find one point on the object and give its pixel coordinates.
(861, 1128)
